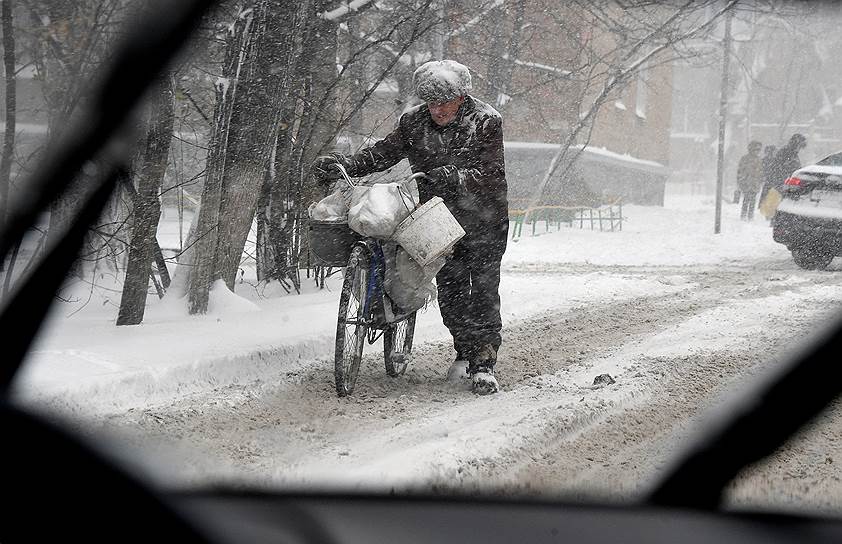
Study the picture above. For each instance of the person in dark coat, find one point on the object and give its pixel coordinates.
(768, 177)
(457, 140)
(786, 159)
(750, 178)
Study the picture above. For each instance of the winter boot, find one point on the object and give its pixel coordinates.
(481, 370)
(458, 370)
(484, 382)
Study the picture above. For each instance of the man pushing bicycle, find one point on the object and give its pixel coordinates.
(457, 141)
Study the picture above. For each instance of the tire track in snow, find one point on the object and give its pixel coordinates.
(288, 433)
(620, 454)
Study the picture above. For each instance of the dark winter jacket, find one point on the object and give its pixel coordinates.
(473, 143)
(750, 173)
(769, 163)
(786, 162)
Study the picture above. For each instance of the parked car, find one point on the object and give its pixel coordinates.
(809, 217)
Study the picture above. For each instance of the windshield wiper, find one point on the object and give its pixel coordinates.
(769, 417)
(766, 417)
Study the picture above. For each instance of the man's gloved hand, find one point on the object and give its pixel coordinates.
(447, 181)
(324, 167)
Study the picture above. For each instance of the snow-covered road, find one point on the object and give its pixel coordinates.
(676, 315)
(549, 431)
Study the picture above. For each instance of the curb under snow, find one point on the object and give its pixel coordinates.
(105, 395)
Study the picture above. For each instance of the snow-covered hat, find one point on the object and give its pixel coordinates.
(441, 80)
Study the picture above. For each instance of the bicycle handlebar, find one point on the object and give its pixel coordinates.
(350, 182)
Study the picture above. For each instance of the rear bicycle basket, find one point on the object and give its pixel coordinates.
(331, 242)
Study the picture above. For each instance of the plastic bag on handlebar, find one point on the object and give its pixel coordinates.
(333, 207)
(378, 212)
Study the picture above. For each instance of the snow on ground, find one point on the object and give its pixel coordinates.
(83, 362)
(245, 393)
(679, 234)
(445, 442)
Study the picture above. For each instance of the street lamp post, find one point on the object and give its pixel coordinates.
(723, 112)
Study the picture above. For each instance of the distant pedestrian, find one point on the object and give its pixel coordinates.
(768, 162)
(750, 178)
(786, 159)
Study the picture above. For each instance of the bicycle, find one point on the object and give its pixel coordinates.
(362, 314)
(361, 319)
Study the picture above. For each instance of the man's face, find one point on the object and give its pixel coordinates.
(444, 113)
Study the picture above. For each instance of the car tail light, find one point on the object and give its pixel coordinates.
(793, 181)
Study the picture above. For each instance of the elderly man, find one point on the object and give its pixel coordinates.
(457, 141)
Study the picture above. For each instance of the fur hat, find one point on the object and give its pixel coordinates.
(441, 80)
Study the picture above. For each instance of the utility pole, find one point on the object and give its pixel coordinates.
(723, 113)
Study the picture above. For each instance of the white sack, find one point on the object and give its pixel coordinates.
(333, 207)
(409, 285)
(378, 211)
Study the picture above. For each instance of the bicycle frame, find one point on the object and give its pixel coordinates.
(374, 288)
(376, 271)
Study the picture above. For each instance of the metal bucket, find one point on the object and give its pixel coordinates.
(429, 232)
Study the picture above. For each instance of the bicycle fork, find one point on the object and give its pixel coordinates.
(374, 288)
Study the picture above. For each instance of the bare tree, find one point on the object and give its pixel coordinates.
(246, 121)
(9, 133)
(11, 105)
(147, 208)
(657, 36)
(395, 36)
(597, 51)
(68, 41)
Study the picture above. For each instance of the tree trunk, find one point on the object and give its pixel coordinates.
(11, 107)
(243, 143)
(286, 201)
(318, 125)
(147, 208)
(264, 260)
(282, 204)
(203, 269)
(506, 70)
(68, 44)
(357, 84)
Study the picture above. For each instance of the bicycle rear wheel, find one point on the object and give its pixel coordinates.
(397, 345)
(353, 323)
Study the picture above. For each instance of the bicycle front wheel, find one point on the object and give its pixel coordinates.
(397, 345)
(353, 322)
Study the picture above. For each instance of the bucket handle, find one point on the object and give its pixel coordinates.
(416, 175)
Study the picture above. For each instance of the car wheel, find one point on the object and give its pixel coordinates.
(812, 258)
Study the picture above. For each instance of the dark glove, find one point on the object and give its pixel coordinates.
(447, 182)
(324, 167)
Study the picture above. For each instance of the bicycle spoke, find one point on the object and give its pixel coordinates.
(355, 329)
(397, 346)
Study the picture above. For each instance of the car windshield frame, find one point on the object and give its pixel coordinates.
(764, 420)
